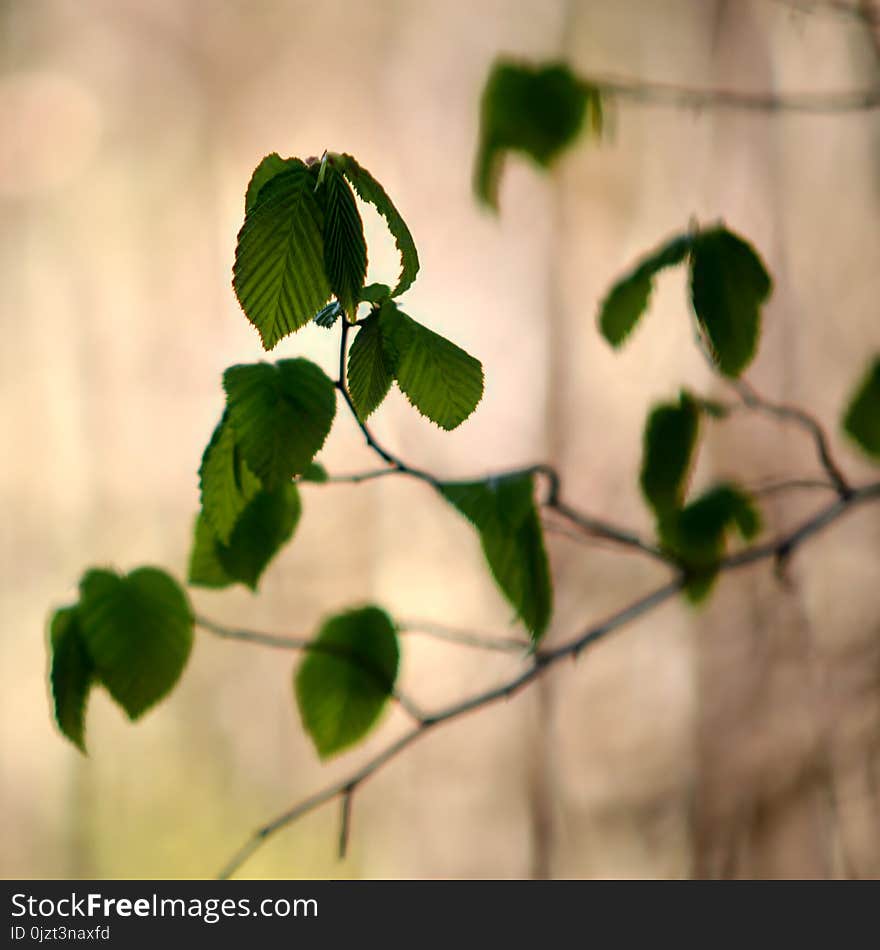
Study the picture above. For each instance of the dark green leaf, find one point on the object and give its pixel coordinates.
(227, 484)
(345, 251)
(205, 569)
(375, 293)
(628, 298)
(372, 192)
(439, 378)
(345, 680)
(138, 630)
(278, 273)
(503, 512)
(696, 533)
(370, 368)
(282, 414)
(265, 526)
(535, 110)
(729, 283)
(71, 675)
(670, 437)
(862, 418)
(268, 168)
(314, 472)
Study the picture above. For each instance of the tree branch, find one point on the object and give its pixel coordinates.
(542, 660)
(306, 644)
(755, 401)
(464, 638)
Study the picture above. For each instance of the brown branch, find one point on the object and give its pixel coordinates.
(542, 660)
(306, 644)
(753, 400)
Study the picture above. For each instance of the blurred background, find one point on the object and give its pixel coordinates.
(739, 740)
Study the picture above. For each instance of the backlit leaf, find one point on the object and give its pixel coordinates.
(344, 682)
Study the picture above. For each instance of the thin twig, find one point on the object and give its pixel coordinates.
(450, 634)
(542, 660)
(791, 484)
(345, 822)
(601, 529)
(648, 92)
(553, 500)
(839, 7)
(306, 644)
(754, 400)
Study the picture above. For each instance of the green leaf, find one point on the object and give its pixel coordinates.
(345, 680)
(71, 675)
(227, 484)
(265, 526)
(282, 414)
(345, 251)
(503, 512)
(862, 418)
(205, 569)
(695, 535)
(729, 283)
(373, 193)
(314, 472)
(535, 110)
(370, 368)
(268, 168)
(439, 378)
(278, 273)
(376, 293)
(138, 630)
(670, 438)
(628, 298)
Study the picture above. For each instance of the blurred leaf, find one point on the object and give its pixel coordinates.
(278, 275)
(503, 512)
(862, 417)
(227, 484)
(138, 631)
(205, 569)
(670, 438)
(314, 472)
(265, 526)
(344, 682)
(370, 368)
(373, 193)
(282, 414)
(375, 293)
(729, 283)
(438, 378)
(71, 675)
(345, 251)
(628, 298)
(268, 168)
(535, 110)
(696, 533)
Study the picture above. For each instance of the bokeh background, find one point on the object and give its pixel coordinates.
(740, 740)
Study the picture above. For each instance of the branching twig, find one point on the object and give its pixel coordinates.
(791, 484)
(464, 638)
(282, 642)
(542, 660)
(753, 400)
